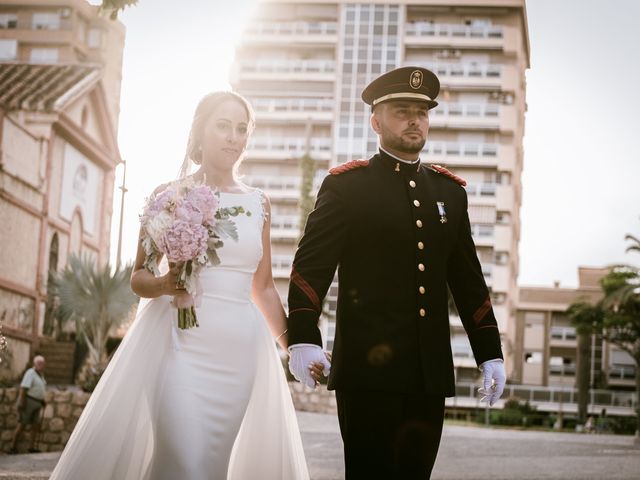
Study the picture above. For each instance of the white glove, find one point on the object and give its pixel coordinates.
(303, 355)
(494, 380)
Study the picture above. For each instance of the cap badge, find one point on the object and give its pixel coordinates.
(415, 80)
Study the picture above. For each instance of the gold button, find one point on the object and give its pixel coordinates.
(421, 290)
(412, 184)
(419, 223)
(421, 267)
(416, 203)
(423, 312)
(420, 245)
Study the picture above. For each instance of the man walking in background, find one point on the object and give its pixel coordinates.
(30, 403)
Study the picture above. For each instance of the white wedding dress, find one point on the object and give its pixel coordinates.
(208, 403)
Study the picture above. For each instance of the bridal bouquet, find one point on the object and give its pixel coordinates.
(186, 223)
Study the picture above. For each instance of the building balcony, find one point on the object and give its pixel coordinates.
(281, 265)
(565, 370)
(470, 75)
(291, 33)
(285, 227)
(288, 70)
(488, 116)
(463, 356)
(451, 35)
(562, 337)
(483, 234)
(281, 187)
(487, 190)
(462, 154)
(40, 36)
(294, 109)
(274, 148)
(621, 375)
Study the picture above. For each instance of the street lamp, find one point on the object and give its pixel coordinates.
(123, 189)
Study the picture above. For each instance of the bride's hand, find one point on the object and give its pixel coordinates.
(317, 369)
(169, 281)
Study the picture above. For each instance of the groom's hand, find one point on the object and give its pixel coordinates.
(303, 356)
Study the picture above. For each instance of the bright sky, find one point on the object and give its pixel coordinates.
(582, 143)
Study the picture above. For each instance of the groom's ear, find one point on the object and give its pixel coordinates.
(375, 122)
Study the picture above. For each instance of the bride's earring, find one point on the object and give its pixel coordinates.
(198, 157)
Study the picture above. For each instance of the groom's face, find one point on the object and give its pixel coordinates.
(402, 126)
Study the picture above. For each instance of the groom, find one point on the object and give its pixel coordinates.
(399, 233)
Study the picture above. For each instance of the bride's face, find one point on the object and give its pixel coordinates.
(225, 135)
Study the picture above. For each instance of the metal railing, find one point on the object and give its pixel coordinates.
(467, 109)
(281, 262)
(459, 148)
(482, 189)
(277, 65)
(430, 29)
(535, 395)
(296, 145)
(627, 372)
(293, 28)
(273, 105)
(564, 370)
(563, 333)
(482, 230)
(289, 184)
(285, 222)
(474, 70)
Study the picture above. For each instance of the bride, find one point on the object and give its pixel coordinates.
(210, 402)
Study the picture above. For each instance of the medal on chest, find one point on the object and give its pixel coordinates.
(442, 212)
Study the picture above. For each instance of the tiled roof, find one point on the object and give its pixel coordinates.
(37, 87)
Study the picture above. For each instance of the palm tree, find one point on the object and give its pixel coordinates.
(586, 318)
(98, 300)
(112, 7)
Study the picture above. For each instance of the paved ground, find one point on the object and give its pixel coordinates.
(466, 453)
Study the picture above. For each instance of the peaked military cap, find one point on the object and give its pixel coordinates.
(404, 83)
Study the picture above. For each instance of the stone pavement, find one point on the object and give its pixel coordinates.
(466, 453)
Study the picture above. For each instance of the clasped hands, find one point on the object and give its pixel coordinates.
(308, 362)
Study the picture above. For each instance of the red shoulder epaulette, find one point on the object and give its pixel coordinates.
(449, 174)
(345, 167)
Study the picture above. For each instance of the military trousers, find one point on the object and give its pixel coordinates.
(389, 435)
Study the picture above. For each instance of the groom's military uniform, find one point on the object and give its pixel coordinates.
(398, 234)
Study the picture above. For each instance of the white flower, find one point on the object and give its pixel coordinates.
(158, 224)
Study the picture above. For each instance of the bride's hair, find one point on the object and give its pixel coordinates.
(204, 110)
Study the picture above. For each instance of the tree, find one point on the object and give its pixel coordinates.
(585, 317)
(307, 200)
(112, 7)
(97, 300)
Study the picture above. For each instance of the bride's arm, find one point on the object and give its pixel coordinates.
(264, 290)
(146, 284)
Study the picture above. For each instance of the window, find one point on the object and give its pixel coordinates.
(534, 358)
(9, 21)
(95, 38)
(8, 49)
(44, 55)
(45, 21)
(501, 258)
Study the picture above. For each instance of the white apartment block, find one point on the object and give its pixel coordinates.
(303, 65)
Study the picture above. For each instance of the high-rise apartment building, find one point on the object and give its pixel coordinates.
(303, 65)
